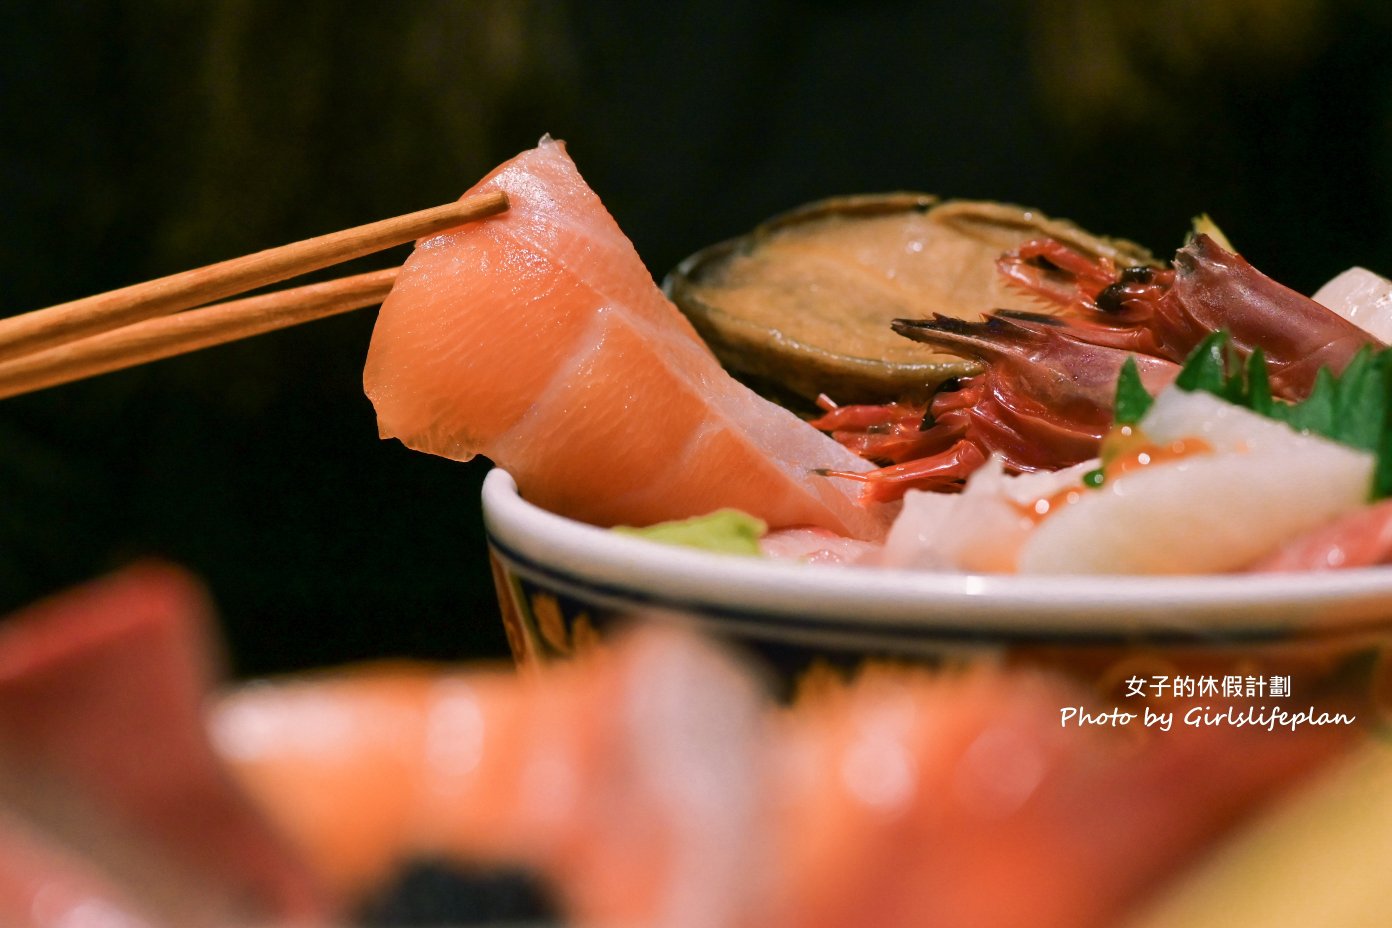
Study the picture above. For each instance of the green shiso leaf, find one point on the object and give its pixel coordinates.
(1353, 408)
(1259, 397)
(1207, 366)
(1361, 400)
(727, 531)
(1132, 400)
(1382, 473)
(1315, 413)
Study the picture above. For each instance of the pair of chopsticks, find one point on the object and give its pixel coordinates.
(157, 319)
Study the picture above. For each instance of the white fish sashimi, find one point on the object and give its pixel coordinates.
(980, 529)
(1363, 298)
(1179, 414)
(816, 546)
(1262, 484)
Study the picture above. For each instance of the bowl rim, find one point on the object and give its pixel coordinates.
(1218, 608)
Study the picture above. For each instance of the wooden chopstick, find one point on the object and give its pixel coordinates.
(154, 339)
(46, 328)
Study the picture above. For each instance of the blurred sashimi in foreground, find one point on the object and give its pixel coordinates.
(651, 781)
(538, 338)
(112, 795)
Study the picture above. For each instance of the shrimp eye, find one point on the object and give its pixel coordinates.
(1110, 299)
(1140, 274)
(950, 385)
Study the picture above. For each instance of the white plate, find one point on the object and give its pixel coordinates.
(898, 608)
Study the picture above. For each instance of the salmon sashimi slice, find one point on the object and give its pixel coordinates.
(539, 340)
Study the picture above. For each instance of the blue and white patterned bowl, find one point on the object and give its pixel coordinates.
(560, 582)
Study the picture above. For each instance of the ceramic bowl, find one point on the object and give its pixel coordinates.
(561, 583)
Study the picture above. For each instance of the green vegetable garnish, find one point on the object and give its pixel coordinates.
(1132, 400)
(727, 531)
(1203, 225)
(1207, 368)
(1353, 408)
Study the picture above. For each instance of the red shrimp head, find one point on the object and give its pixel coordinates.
(1215, 289)
(1043, 403)
(1168, 313)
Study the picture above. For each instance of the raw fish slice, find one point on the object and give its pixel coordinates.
(1363, 538)
(1361, 297)
(979, 530)
(631, 778)
(652, 783)
(964, 800)
(540, 340)
(1206, 512)
(42, 885)
(102, 689)
(816, 546)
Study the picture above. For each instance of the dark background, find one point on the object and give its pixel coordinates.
(142, 138)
